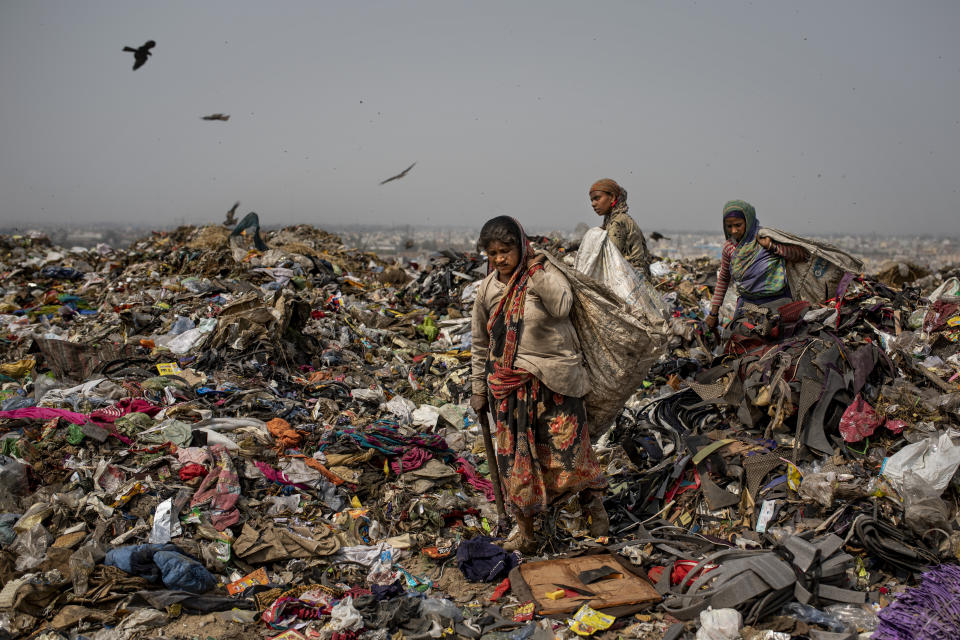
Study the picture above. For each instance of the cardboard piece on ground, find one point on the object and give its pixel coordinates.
(543, 577)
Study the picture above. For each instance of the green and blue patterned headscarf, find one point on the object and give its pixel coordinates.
(758, 273)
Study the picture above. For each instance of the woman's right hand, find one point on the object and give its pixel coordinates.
(712, 321)
(478, 402)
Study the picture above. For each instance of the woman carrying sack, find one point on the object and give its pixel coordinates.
(755, 264)
(527, 366)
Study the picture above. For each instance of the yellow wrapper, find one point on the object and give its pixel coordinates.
(587, 621)
(168, 368)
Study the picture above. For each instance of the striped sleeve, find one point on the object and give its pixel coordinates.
(791, 252)
(723, 276)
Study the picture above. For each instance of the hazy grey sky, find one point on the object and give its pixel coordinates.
(827, 116)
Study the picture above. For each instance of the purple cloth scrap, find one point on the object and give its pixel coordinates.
(929, 611)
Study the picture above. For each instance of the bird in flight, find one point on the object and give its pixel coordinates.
(399, 175)
(217, 116)
(232, 215)
(140, 55)
(656, 235)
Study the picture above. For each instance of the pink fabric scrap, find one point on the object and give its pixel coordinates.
(123, 407)
(46, 413)
(466, 469)
(193, 455)
(413, 458)
(859, 421)
(896, 426)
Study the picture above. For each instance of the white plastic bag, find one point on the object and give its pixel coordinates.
(934, 460)
(401, 408)
(162, 523)
(660, 269)
(345, 617)
(719, 624)
(426, 416)
(949, 289)
(597, 258)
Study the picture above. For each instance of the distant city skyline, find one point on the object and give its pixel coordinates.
(23, 227)
(410, 240)
(828, 117)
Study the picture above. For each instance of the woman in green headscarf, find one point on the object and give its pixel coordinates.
(754, 263)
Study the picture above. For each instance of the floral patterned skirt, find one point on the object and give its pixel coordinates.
(543, 447)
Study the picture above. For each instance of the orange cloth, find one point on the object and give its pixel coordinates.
(608, 186)
(320, 376)
(283, 433)
(315, 464)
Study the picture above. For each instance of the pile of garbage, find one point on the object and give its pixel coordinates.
(240, 433)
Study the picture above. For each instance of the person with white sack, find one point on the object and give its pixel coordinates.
(609, 200)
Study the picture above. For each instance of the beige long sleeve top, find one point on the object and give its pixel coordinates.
(548, 348)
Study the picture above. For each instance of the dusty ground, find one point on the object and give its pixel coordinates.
(201, 627)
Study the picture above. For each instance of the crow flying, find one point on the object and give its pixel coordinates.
(217, 116)
(140, 55)
(399, 175)
(656, 235)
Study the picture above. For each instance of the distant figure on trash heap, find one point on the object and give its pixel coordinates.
(756, 264)
(609, 200)
(528, 367)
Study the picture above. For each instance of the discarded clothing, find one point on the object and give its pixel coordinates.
(220, 490)
(165, 563)
(482, 561)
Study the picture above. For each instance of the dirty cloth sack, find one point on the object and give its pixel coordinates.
(815, 279)
(619, 345)
(428, 477)
(260, 543)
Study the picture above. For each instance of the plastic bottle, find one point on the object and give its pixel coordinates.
(812, 615)
(856, 617)
(441, 607)
(181, 324)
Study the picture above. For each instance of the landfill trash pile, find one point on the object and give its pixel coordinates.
(240, 433)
